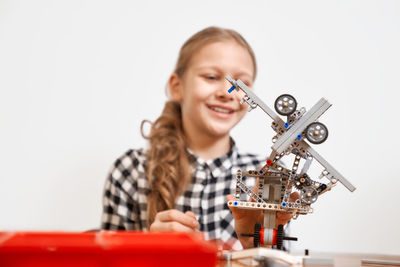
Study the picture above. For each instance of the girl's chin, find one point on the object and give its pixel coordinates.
(220, 131)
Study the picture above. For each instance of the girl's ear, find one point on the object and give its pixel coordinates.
(175, 88)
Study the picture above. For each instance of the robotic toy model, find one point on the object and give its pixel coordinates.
(275, 182)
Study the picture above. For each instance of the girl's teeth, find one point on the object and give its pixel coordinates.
(221, 110)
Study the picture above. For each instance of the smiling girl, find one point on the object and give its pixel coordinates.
(181, 182)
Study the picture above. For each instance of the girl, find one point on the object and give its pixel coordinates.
(183, 180)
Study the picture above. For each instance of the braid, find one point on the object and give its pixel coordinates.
(168, 165)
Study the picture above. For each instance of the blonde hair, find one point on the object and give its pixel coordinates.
(168, 169)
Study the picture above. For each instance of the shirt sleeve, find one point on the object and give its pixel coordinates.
(120, 209)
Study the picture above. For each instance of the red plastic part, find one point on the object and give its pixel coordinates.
(274, 237)
(269, 162)
(105, 248)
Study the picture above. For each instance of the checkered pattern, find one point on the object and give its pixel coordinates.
(126, 189)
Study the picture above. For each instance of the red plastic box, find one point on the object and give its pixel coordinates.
(105, 248)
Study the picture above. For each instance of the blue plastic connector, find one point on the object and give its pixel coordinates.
(231, 89)
(299, 137)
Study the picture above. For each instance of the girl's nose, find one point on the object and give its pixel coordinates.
(223, 94)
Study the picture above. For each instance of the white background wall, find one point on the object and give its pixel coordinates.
(77, 78)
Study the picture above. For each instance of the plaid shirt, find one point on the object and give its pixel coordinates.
(126, 190)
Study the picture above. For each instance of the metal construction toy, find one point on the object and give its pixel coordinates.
(275, 182)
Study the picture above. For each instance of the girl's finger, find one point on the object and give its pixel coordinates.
(177, 216)
(191, 214)
(173, 226)
(294, 196)
(255, 190)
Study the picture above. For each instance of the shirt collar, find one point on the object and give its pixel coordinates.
(219, 165)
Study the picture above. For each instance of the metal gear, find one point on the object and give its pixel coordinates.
(301, 182)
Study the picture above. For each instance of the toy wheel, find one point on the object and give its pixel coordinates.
(285, 105)
(316, 133)
(256, 235)
(308, 195)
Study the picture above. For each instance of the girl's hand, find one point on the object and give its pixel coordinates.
(283, 217)
(244, 222)
(174, 221)
(246, 219)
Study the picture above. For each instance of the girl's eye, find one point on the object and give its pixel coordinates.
(211, 77)
(247, 83)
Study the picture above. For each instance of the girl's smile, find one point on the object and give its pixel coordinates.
(220, 111)
(208, 110)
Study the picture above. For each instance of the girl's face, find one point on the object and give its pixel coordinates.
(207, 107)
